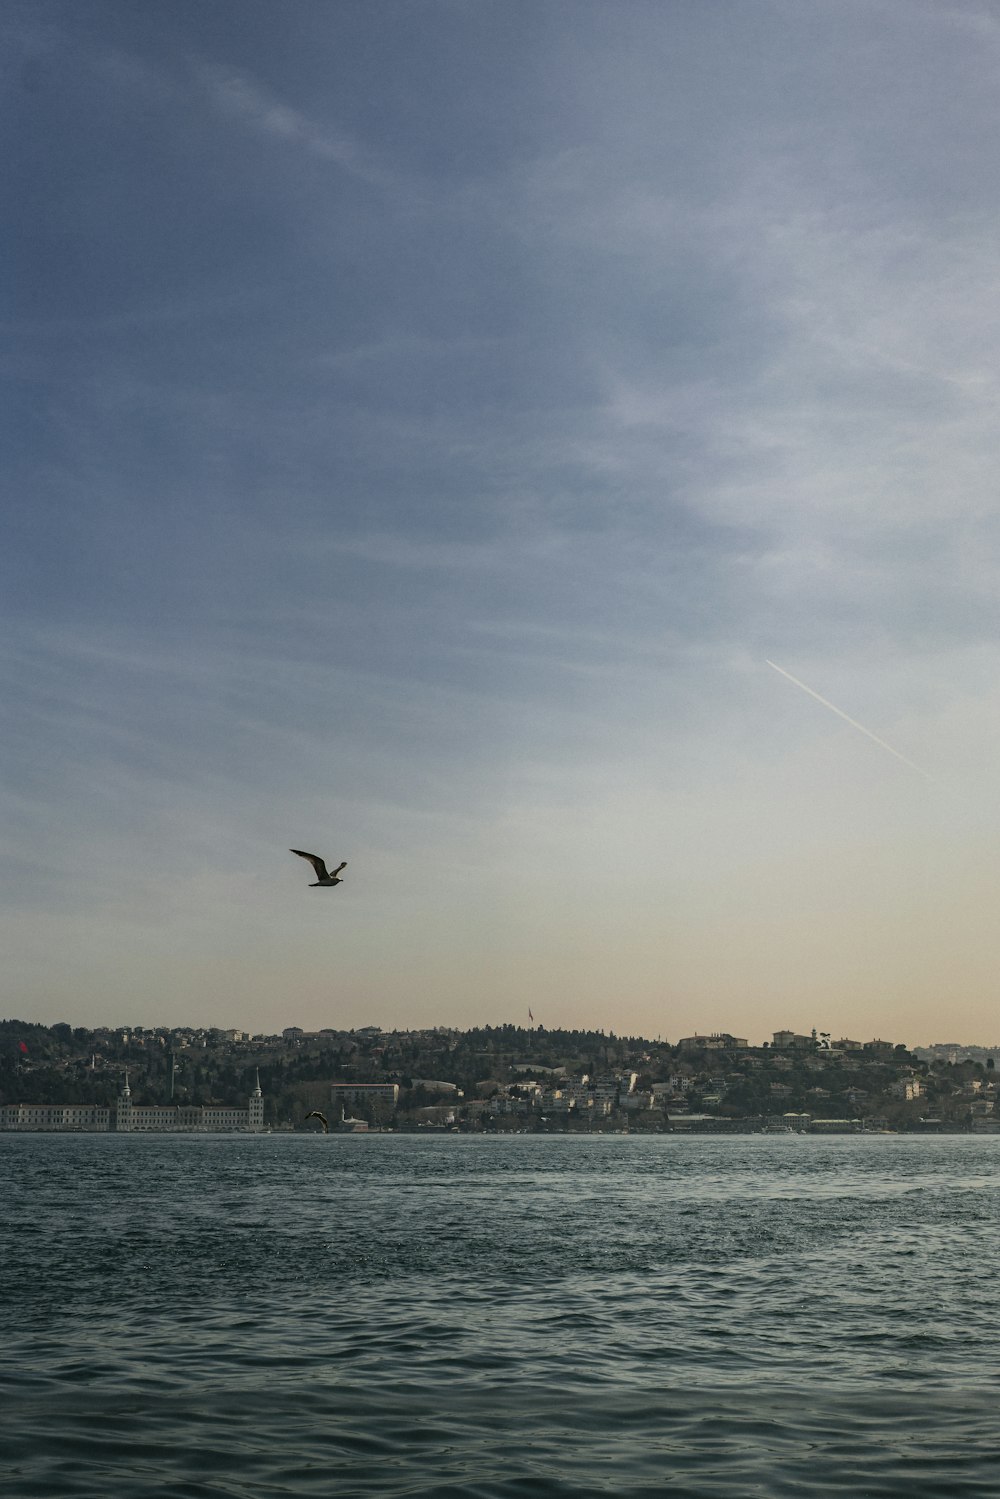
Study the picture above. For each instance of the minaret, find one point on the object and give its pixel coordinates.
(123, 1117)
(255, 1114)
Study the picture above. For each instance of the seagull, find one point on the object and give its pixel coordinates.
(322, 1119)
(323, 877)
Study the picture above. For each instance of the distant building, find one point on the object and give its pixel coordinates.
(789, 1040)
(717, 1041)
(611, 1087)
(90, 1118)
(951, 1051)
(635, 1103)
(130, 1118)
(344, 1093)
(679, 1122)
(133, 1118)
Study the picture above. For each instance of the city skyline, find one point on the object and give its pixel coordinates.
(488, 1078)
(428, 426)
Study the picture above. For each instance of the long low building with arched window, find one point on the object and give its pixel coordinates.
(135, 1119)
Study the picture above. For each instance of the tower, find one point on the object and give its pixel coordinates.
(255, 1115)
(123, 1113)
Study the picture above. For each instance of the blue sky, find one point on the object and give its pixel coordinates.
(423, 422)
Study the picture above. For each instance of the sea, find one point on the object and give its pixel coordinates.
(247, 1317)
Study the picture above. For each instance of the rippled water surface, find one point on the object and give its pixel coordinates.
(440, 1316)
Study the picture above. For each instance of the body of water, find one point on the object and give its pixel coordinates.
(254, 1317)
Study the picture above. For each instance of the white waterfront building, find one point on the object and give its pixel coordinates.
(130, 1118)
(47, 1116)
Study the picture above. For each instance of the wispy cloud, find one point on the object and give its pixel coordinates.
(244, 100)
(239, 98)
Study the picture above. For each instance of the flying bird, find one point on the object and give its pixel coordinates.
(323, 876)
(322, 1119)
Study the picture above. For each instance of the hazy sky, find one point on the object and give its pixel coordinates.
(423, 422)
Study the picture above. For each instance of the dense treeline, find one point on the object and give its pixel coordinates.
(63, 1064)
(60, 1064)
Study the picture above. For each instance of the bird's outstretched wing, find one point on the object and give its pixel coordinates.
(340, 867)
(315, 860)
(317, 1115)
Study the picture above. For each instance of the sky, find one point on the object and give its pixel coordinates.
(423, 424)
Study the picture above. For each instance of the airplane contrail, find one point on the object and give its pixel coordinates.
(852, 721)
